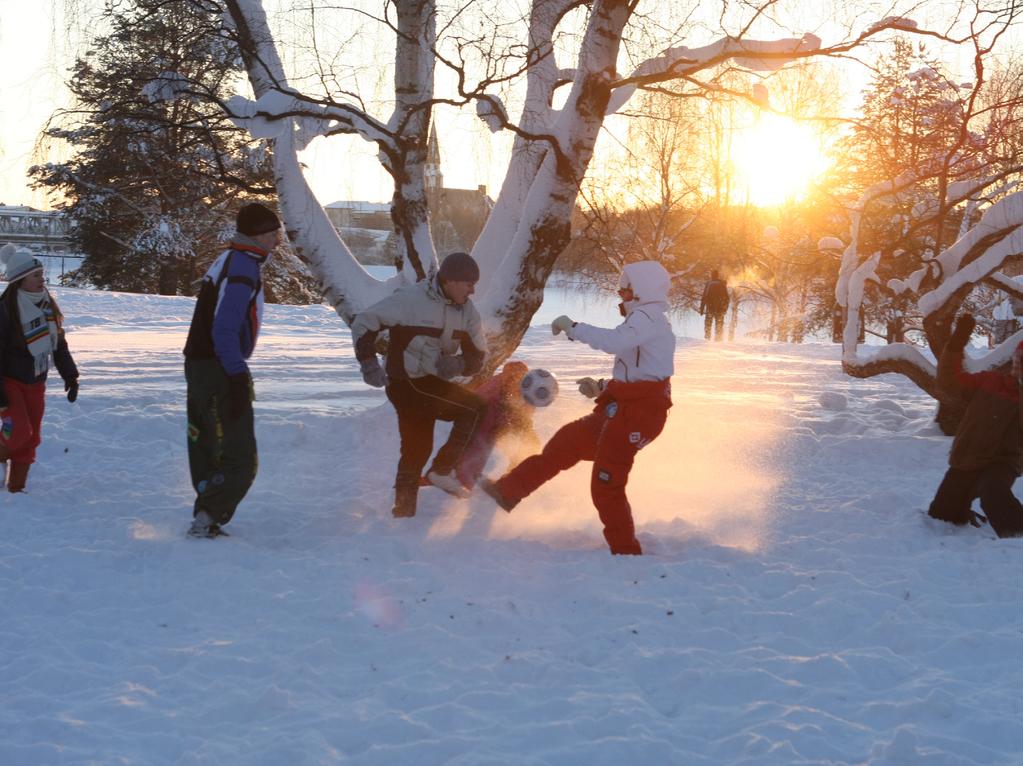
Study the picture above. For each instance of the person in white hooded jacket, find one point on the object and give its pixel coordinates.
(630, 412)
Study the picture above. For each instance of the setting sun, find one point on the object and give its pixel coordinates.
(776, 159)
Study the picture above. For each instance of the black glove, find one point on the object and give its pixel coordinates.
(71, 386)
(241, 394)
(373, 373)
(449, 367)
(961, 334)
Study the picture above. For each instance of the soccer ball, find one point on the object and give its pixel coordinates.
(539, 387)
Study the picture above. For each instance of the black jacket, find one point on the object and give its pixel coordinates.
(715, 297)
(15, 360)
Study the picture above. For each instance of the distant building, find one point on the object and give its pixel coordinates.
(457, 216)
(366, 228)
(356, 214)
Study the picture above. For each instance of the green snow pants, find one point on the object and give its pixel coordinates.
(221, 449)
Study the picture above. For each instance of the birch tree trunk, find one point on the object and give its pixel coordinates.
(405, 156)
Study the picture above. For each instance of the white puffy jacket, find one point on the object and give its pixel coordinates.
(644, 344)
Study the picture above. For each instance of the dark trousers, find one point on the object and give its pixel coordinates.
(610, 437)
(221, 449)
(715, 321)
(420, 403)
(993, 485)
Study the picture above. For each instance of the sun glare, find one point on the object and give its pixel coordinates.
(776, 160)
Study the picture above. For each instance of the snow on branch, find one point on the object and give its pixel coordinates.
(900, 358)
(681, 61)
(268, 117)
(167, 86)
(850, 259)
(892, 22)
(997, 236)
(1006, 284)
(263, 118)
(911, 284)
(491, 110)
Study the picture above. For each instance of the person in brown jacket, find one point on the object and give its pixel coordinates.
(987, 451)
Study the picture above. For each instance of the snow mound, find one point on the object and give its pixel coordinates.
(832, 400)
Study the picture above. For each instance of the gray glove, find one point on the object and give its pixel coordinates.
(449, 367)
(590, 388)
(563, 324)
(373, 373)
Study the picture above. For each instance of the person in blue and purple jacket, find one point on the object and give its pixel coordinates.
(225, 325)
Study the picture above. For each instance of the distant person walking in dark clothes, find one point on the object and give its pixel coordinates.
(713, 306)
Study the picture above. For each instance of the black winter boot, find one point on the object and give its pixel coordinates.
(406, 490)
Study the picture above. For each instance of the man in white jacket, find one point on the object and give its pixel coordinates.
(630, 411)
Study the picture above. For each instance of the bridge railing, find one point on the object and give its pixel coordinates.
(39, 230)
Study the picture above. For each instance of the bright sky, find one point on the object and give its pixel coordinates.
(31, 57)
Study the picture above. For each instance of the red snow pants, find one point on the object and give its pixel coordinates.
(21, 420)
(627, 417)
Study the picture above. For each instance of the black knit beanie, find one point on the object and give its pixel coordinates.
(255, 219)
(459, 267)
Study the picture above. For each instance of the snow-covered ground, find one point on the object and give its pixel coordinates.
(796, 607)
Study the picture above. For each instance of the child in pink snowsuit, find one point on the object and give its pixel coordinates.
(630, 411)
(507, 414)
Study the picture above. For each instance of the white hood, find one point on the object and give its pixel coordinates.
(644, 344)
(649, 281)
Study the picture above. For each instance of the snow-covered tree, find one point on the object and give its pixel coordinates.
(151, 183)
(950, 221)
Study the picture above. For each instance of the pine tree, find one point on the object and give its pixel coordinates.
(913, 115)
(155, 173)
(911, 133)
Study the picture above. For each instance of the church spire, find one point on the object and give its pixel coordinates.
(434, 178)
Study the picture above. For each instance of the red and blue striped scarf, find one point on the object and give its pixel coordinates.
(39, 324)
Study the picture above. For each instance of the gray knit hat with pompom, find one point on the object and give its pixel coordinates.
(17, 263)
